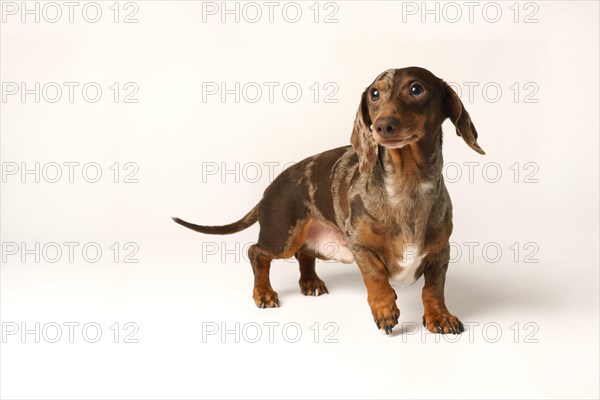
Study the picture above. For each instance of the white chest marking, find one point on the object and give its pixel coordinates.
(426, 186)
(410, 262)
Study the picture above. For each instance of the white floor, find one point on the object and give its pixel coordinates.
(530, 333)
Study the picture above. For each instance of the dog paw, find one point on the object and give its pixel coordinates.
(313, 287)
(266, 299)
(386, 317)
(443, 322)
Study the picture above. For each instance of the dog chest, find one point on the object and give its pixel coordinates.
(404, 271)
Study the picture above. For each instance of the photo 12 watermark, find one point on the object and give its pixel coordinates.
(69, 252)
(69, 92)
(269, 332)
(265, 172)
(452, 12)
(54, 12)
(254, 12)
(489, 332)
(69, 172)
(467, 252)
(69, 332)
(494, 92)
(269, 92)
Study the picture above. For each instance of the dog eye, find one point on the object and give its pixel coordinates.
(374, 94)
(416, 90)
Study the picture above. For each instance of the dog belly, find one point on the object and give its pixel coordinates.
(328, 243)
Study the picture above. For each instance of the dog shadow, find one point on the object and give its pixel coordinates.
(471, 295)
(480, 295)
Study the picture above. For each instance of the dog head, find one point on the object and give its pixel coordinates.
(403, 106)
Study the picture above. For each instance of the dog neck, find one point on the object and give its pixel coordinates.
(411, 178)
(416, 166)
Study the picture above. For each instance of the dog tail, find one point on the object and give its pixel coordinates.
(248, 220)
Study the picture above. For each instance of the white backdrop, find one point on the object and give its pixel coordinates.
(184, 111)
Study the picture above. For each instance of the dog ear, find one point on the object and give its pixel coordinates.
(362, 139)
(455, 110)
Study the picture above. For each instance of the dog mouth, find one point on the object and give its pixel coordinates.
(396, 143)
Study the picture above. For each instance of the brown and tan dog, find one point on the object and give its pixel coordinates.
(381, 201)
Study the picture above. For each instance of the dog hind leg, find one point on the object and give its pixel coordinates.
(310, 283)
(263, 294)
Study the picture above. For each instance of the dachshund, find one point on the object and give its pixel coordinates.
(381, 201)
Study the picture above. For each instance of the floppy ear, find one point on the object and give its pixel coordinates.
(461, 119)
(362, 138)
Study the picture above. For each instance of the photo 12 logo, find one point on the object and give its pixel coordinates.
(71, 252)
(452, 12)
(68, 172)
(268, 332)
(489, 332)
(265, 172)
(70, 332)
(472, 252)
(271, 92)
(53, 12)
(493, 92)
(252, 12)
(69, 92)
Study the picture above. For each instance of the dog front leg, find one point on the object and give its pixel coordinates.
(380, 294)
(437, 318)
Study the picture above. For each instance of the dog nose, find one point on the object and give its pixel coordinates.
(386, 126)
